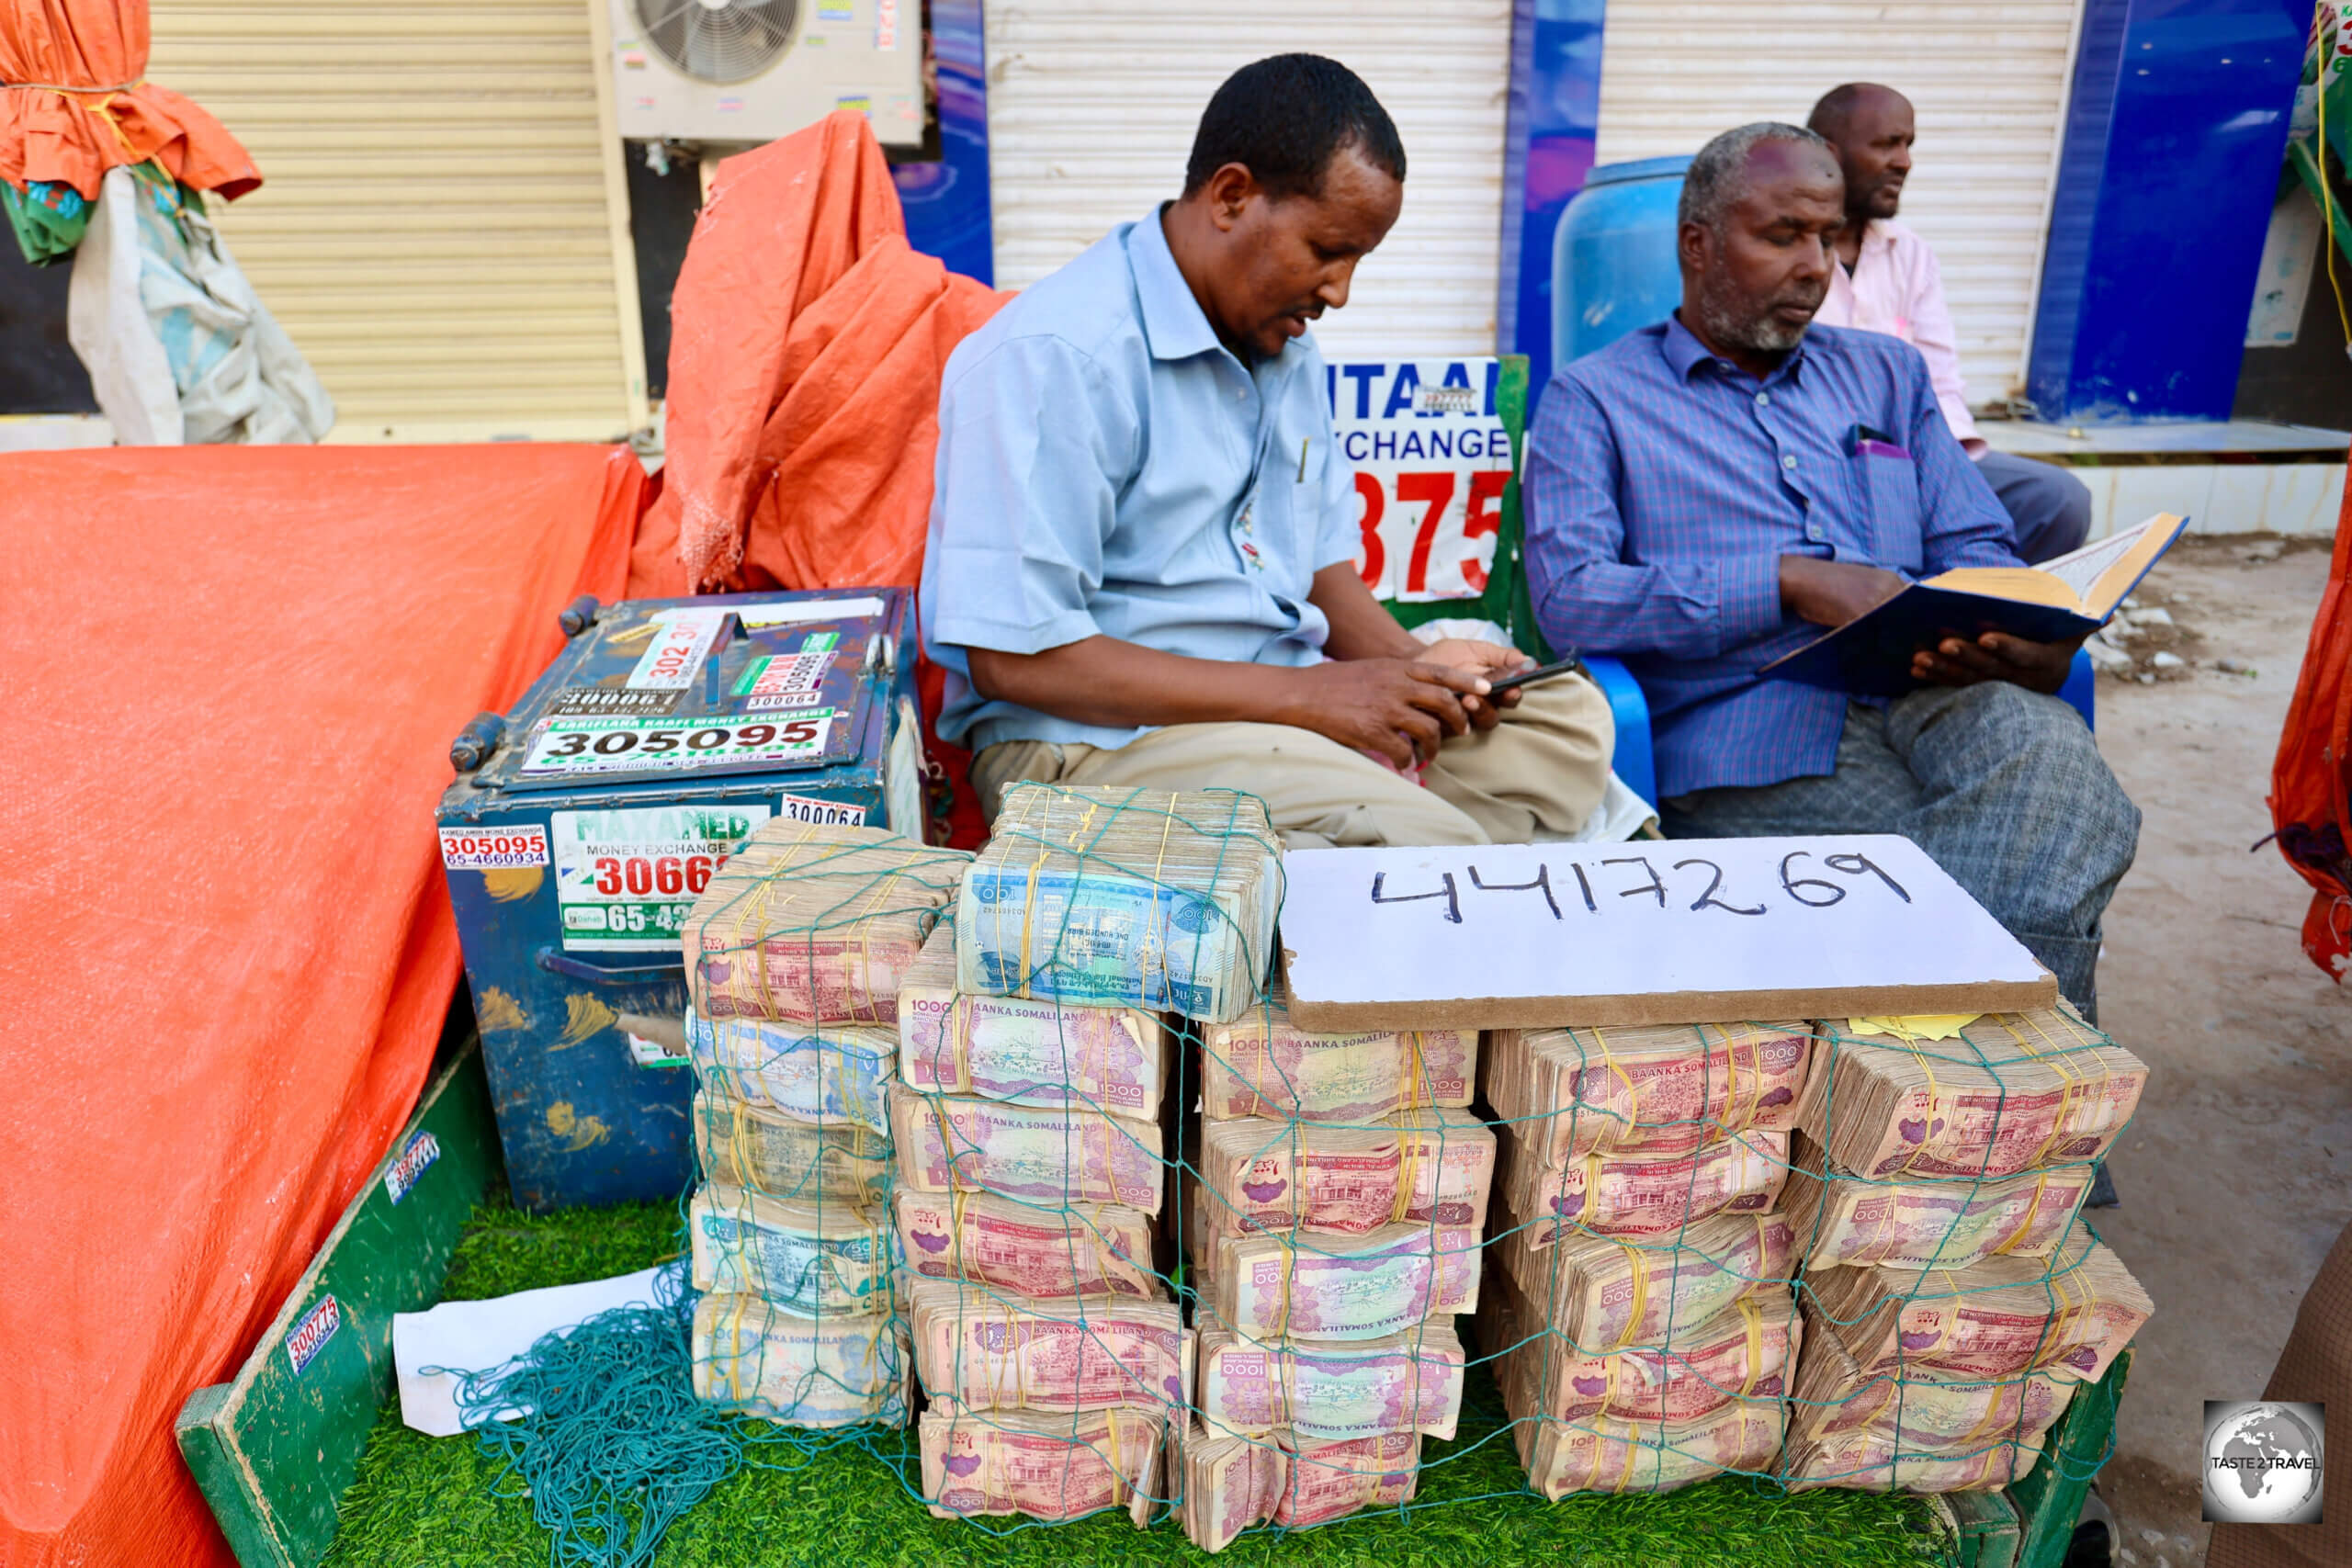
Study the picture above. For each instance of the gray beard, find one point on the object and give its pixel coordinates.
(1723, 322)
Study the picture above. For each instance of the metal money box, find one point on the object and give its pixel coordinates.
(584, 823)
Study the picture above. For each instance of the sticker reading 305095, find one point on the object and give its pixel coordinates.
(493, 849)
(570, 746)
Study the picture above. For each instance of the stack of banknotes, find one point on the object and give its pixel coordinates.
(1948, 1379)
(793, 955)
(1123, 898)
(1050, 1467)
(1612, 1192)
(1028, 1249)
(1327, 1391)
(1022, 1050)
(1927, 1221)
(815, 924)
(828, 1371)
(1664, 1089)
(992, 1350)
(1642, 1363)
(2009, 1093)
(1058, 1157)
(1421, 1167)
(1284, 1478)
(1262, 1064)
(1386, 1281)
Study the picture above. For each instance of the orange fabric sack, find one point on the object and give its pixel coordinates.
(97, 48)
(228, 678)
(806, 344)
(2311, 785)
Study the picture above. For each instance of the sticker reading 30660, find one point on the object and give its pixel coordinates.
(568, 747)
(493, 849)
(626, 880)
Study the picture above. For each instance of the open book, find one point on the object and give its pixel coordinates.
(2062, 599)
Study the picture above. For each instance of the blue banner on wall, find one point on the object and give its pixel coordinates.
(946, 203)
(1555, 114)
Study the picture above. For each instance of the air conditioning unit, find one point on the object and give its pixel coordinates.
(755, 70)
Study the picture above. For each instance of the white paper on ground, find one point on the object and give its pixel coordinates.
(468, 1337)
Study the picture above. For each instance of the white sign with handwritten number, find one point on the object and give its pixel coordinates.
(1693, 931)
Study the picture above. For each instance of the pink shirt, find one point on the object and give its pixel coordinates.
(1897, 288)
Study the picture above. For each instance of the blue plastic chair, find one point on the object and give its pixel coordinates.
(1637, 765)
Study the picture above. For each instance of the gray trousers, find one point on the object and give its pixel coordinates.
(2003, 787)
(2049, 508)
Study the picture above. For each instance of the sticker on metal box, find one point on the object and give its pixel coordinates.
(569, 748)
(493, 849)
(625, 880)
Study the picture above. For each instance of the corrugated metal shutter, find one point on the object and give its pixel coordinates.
(1989, 82)
(437, 224)
(1092, 110)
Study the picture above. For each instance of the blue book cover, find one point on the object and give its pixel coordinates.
(2062, 599)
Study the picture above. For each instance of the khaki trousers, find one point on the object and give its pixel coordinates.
(1536, 775)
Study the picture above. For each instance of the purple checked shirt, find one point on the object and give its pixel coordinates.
(1664, 485)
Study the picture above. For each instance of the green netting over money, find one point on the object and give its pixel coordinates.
(1015, 1172)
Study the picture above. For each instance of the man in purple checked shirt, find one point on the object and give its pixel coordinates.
(1706, 494)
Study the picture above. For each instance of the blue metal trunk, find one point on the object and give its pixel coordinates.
(583, 824)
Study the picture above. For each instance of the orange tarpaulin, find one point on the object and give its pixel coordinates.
(228, 678)
(76, 103)
(2311, 785)
(807, 341)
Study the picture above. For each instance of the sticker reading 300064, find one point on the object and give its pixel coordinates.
(570, 746)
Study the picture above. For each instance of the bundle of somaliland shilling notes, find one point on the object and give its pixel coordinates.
(811, 1259)
(1927, 1221)
(1645, 1194)
(1232, 1482)
(1060, 1154)
(1661, 1089)
(1262, 1064)
(1030, 1249)
(2068, 1313)
(1410, 1169)
(782, 1157)
(815, 923)
(2012, 1092)
(1023, 1050)
(1051, 1468)
(1340, 1287)
(1601, 1453)
(1325, 1390)
(814, 1072)
(835, 1371)
(1835, 1398)
(1747, 1352)
(989, 1351)
(1123, 897)
(1611, 1294)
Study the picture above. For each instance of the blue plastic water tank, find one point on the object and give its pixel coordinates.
(1614, 267)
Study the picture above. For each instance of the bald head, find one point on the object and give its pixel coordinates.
(1870, 128)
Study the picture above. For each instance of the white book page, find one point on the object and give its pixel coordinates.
(2080, 569)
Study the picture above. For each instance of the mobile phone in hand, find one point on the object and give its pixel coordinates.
(1569, 666)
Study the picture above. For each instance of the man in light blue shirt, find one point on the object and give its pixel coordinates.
(1141, 557)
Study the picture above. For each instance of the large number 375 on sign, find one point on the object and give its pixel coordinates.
(1431, 462)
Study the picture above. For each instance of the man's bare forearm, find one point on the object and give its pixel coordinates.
(1360, 629)
(1102, 681)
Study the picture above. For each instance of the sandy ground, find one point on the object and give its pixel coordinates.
(2237, 1175)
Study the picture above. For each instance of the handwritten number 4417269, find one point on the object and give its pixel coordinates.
(1813, 892)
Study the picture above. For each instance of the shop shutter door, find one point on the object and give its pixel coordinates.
(1092, 110)
(1989, 82)
(437, 227)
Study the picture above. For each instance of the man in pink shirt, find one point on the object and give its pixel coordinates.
(1887, 281)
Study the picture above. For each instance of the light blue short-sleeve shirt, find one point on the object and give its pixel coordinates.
(1107, 466)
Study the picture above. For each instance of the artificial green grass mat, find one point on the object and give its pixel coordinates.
(422, 1502)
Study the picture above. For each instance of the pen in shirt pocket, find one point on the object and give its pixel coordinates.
(1303, 442)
